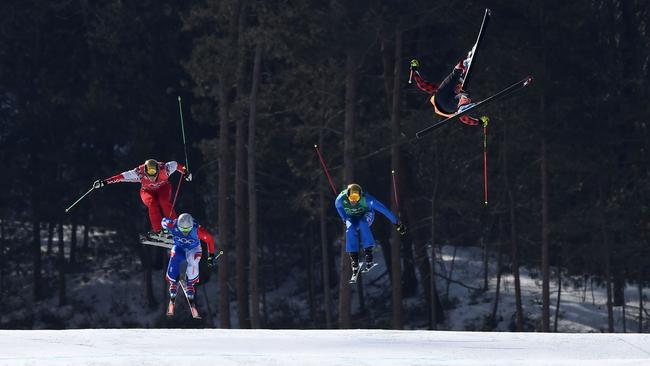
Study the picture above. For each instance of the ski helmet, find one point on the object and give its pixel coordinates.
(185, 222)
(354, 192)
(151, 167)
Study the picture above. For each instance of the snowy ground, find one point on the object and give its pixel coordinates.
(163, 347)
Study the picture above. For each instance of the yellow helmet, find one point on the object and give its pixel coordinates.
(151, 167)
(354, 192)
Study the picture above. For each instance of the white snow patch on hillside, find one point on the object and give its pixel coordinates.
(173, 347)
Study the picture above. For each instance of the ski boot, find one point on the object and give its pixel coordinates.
(354, 259)
(189, 291)
(154, 235)
(464, 102)
(173, 290)
(368, 257)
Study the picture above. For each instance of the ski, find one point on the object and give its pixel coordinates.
(170, 307)
(355, 274)
(500, 95)
(367, 269)
(484, 24)
(190, 303)
(160, 241)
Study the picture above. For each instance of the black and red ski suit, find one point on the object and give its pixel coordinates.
(444, 97)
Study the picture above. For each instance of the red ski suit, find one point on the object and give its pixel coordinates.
(156, 192)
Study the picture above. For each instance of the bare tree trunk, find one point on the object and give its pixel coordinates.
(640, 287)
(241, 259)
(396, 241)
(608, 277)
(252, 192)
(3, 244)
(148, 277)
(50, 237)
(624, 319)
(86, 238)
(486, 264)
(61, 264)
(327, 295)
(37, 259)
(241, 250)
(351, 82)
(546, 277)
(495, 306)
(73, 244)
(223, 207)
(559, 295)
(513, 234)
(311, 294)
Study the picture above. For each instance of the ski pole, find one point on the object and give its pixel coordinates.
(410, 76)
(485, 178)
(322, 161)
(80, 198)
(180, 181)
(180, 110)
(392, 172)
(187, 164)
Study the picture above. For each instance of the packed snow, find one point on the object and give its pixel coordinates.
(173, 347)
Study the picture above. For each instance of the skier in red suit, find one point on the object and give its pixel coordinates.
(156, 190)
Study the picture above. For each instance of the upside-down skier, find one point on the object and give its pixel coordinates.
(187, 235)
(448, 97)
(156, 190)
(357, 210)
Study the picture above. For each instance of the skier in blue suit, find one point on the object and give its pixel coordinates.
(188, 235)
(357, 209)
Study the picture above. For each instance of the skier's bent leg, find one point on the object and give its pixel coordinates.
(351, 236)
(469, 120)
(149, 200)
(175, 261)
(164, 199)
(193, 257)
(367, 239)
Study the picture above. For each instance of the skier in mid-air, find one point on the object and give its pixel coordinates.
(156, 190)
(448, 98)
(187, 235)
(357, 209)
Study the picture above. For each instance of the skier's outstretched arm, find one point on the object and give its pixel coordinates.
(127, 176)
(377, 205)
(339, 206)
(206, 237)
(174, 166)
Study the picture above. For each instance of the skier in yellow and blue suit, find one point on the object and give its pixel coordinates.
(357, 209)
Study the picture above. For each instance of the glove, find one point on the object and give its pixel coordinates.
(188, 177)
(401, 229)
(485, 120)
(99, 183)
(414, 65)
(212, 260)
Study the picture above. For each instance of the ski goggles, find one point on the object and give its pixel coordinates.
(151, 170)
(185, 230)
(354, 197)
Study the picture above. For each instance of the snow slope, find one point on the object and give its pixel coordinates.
(163, 347)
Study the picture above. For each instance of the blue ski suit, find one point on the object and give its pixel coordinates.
(187, 248)
(358, 219)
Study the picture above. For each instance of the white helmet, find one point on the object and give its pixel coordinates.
(185, 222)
